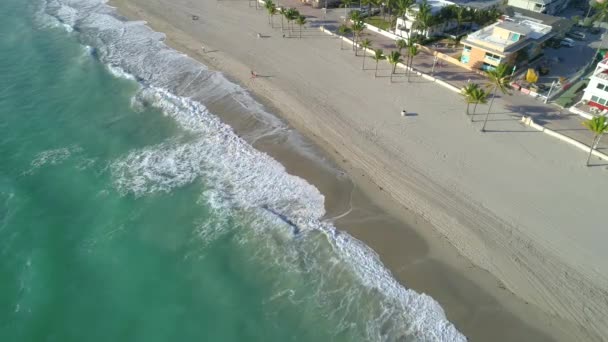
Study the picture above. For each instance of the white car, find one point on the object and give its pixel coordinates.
(567, 42)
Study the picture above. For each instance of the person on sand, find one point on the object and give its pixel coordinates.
(253, 74)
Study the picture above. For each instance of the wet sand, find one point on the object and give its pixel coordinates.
(419, 257)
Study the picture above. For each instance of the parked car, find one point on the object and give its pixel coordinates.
(567, 42)
(594, 30)
(576, 35)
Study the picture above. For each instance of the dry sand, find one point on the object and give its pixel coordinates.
(513, 201)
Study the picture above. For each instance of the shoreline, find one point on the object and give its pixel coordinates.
(440, 252)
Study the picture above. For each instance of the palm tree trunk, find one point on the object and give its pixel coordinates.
(341, 43)
(474, 111)
(363, 59)
(300, 31)
(596, 141)
(271, 21)
(409, 71)
(376, 72)
(468, 104)
(282, 24)
(483, 129)
(393, 72)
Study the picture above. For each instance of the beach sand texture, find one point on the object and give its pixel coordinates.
(513, 201)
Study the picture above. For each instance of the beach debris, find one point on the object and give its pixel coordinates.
(403, 112)
(195, 17)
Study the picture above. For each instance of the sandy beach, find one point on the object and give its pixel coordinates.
(506, 230)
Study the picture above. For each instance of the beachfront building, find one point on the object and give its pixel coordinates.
(404, 26)
(440, 26)
(503, 41)
(541, 6)
(596, 93)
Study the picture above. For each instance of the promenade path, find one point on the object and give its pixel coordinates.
(547, 115)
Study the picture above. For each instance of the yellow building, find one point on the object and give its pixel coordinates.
(501, 42)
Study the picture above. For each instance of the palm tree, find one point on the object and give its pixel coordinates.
(394, 58)
(365, 44)
(598, 126)
(283, 14)
(269, 5)
(424, 18)
(498, 80)
(357, 28)
(378, 56)
(478, 96)
(459, 13)
(403, 6)
(467, 93)
(346, 4)
(400, 44)
(301, 21)
(343, 30)
(412, 51)
(355, 16)
(291, 15)
(272, 10)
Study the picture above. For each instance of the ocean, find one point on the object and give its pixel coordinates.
(130, 212)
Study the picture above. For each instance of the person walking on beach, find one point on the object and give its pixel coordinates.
(253, 74)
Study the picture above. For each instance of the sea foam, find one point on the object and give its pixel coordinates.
(236, 176)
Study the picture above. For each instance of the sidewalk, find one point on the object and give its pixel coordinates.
(552, 117)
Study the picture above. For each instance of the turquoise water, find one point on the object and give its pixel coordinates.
(130, 213)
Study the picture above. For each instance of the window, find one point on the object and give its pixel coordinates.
(464, 59)
(602, 86)
(493, 58)
(466, 49)
(487, 67)
(514, 36)
(599, 100)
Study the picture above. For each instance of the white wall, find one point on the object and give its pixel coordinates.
(592, 89)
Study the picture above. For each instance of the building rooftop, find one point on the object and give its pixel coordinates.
(436, 5)
(529, 29)
(477, 4)
(515, 27)
(557, 23)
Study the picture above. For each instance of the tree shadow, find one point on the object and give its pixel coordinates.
(540, 114)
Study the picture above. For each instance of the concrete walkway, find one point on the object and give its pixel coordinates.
(519, 104)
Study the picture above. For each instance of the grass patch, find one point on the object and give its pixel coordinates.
(379, 23)
(567, 98)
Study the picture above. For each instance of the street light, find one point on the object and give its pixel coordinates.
(550, 90)
(434, 62)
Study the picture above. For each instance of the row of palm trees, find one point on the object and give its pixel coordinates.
(292, 15)
(394, 58)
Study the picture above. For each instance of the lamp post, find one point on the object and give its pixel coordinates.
(434, 62)
(550, 90)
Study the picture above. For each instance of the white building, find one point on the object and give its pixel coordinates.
(541, 6)
(596, 93)
(404, 25)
